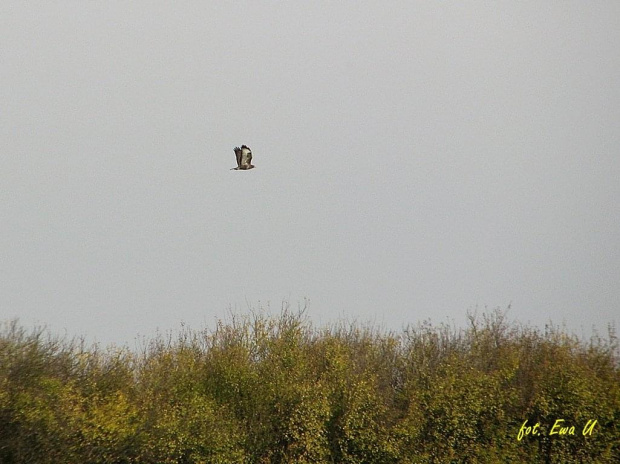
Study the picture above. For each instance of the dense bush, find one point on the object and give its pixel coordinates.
(262, 389)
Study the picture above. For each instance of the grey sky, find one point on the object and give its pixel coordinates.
(414, 159)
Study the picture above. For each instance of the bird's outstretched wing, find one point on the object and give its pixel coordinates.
(238, 156)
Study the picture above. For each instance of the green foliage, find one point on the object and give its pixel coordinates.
(261, 389)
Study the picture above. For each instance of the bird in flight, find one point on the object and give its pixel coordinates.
(244, 158)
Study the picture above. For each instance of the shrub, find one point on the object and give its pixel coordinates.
(261, 389)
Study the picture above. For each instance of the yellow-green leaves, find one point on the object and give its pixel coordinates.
(264, 389)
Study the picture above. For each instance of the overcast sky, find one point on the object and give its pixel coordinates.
(414, 160)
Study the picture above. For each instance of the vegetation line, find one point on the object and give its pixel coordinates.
(275, 389)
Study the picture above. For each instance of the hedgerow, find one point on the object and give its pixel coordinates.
(274, 389)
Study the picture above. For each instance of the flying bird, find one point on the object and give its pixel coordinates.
(244, 158)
